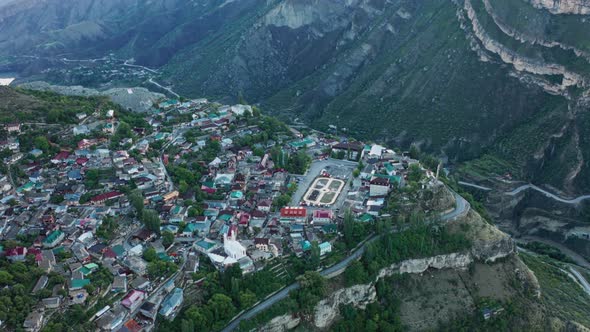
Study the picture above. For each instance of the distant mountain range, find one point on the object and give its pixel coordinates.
(502, 81)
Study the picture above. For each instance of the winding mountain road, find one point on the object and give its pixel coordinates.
(581, 279)
(576, 200)
(516, 191)
(461, 207)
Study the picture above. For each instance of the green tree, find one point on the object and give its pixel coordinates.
(187, 325)
(150, 254)
(42, 143)
(221, 306)
(314, 257)
(349, 229)
(151, 220)
(136, 200)
(247, 299)
(356, 274)
(167, 238)
(5, 278)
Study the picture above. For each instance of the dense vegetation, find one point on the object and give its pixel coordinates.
(16, 282)
(223, 294)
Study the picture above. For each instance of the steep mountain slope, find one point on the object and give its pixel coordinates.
(503, 78)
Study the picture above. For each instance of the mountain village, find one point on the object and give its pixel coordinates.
(124, 221)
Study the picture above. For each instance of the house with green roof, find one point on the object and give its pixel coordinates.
(330, 228)
(205, 246)
(366, 218)
(53, 239)
(325, 248)
(303, 143)
(225, 217)
(76, 284)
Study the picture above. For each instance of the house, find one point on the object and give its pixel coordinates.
(60, 157)
(376, 151)
(76, 284)
(40, 284)
(294, 214)
(12, 128)
(379, 187)
(133, 300)
(348, 150)
(149, 309)
(322, 217)
(17, 254)
(74, 175)
(81, 130)
(262, 244)
(119, 284)
(102, 198)
(172, 303)
(34, 321)
(265, 205)
(51, 302)
(325, 248)
(192, 264)
(53, 239)
(36, 153)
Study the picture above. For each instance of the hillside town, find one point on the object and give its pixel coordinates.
(127, 220)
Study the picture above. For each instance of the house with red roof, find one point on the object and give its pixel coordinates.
(294, 214)
(133, 299)
(102, 198)
(17, 254)
(60, 157)
(320, 217)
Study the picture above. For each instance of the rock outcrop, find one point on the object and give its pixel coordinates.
(328, 309)
(563, 6)
(281, 323)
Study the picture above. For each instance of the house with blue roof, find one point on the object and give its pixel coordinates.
(74, 175)
(172, 303)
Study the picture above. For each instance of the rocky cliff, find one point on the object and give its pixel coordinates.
(489, 245)
(326, 311)
(563, 6)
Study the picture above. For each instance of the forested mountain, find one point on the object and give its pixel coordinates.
(502, 79)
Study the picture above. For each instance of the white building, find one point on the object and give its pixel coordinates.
(231, 246)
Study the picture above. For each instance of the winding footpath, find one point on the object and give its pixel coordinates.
(461, 208)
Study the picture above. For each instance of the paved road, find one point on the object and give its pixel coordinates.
(581, 279)
(473, 185)
(576, 200)
(577, 258)
(151, 80)
(522, 188)
(461, 207)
